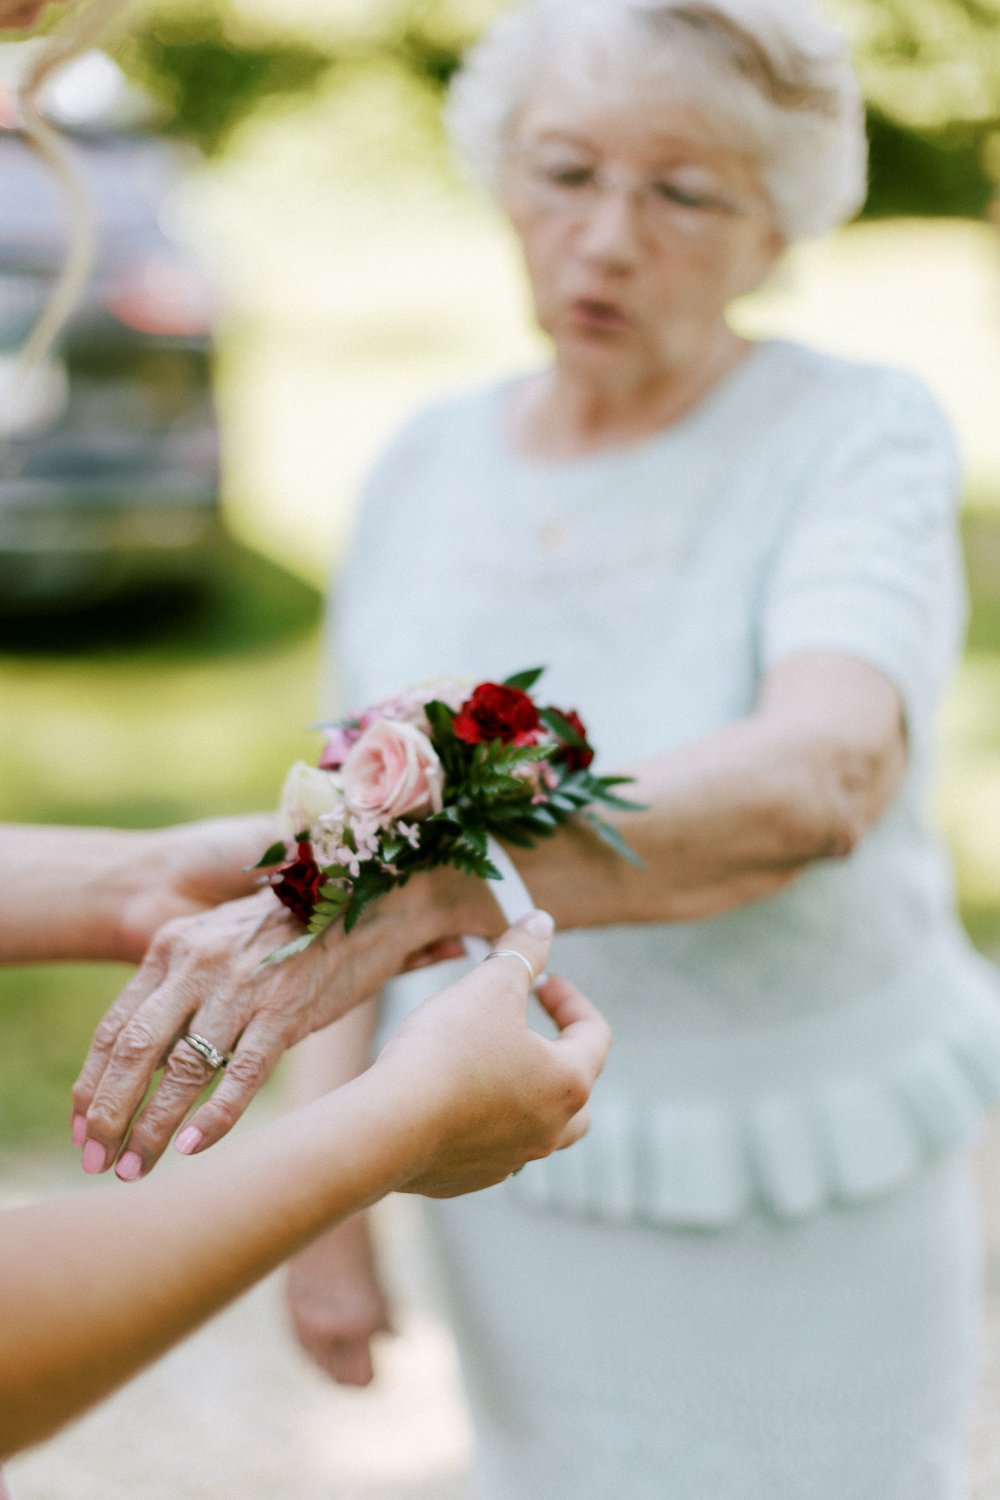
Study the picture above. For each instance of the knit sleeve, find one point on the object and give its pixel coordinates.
(870, 565)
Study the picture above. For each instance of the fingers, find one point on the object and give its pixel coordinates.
(202, 976)
(336, 1303)
(523, 950)
(582, 1028)
(574, 1130)
(347, 1361)
(138, 1053)
(345, 1356)
(260, 1049)
(186, 1075)
(143, 983)
(241, 840)
(138, 1050)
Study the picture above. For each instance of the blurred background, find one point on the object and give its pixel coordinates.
(289, 265)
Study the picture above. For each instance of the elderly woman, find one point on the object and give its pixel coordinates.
(758, 1276)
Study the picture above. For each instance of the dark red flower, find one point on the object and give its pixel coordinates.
(299, 883)
(573, 756)
(495, 712)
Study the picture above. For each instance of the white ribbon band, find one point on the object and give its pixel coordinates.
(510, 893)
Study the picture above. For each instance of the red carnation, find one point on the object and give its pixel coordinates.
(298, 887)
(577, 758)
(495, 712)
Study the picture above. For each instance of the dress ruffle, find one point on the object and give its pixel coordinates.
(707, 1163)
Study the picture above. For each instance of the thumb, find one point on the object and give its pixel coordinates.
(525, 947)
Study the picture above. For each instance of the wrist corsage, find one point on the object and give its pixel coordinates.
(426, 779)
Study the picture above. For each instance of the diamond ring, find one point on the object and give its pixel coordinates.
(206, 1050)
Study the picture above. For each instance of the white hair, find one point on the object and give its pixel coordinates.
(769, 76)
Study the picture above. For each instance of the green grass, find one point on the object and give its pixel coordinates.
(137, 721)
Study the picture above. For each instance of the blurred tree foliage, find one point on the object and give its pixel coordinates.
(931, 71)
(207, 80)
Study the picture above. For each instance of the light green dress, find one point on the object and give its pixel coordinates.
(757, 1278)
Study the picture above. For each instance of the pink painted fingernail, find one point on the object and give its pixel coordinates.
(189, 1140)
(94, 1157)
(129, 1169)
(79, 1129)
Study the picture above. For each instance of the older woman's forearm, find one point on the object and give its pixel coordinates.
(728, 821)
(740, 814)
(732, 818)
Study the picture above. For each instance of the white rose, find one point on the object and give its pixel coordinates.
(310, 795)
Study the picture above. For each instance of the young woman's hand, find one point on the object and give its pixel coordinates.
(190, 869)
(102, 893)
(494, 1093)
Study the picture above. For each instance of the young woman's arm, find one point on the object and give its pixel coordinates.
(101, 893)
(94, 1287)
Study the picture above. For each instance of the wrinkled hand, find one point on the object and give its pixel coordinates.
(337, 1303)
(496, 1094)
(203, 974)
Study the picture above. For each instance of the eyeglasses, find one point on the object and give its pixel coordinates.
(669, 203)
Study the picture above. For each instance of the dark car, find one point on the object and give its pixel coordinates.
(109, 453)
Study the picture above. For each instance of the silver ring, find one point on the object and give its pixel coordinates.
(206, 1050)
(512, 953)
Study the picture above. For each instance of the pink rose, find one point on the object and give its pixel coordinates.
(393, 770)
